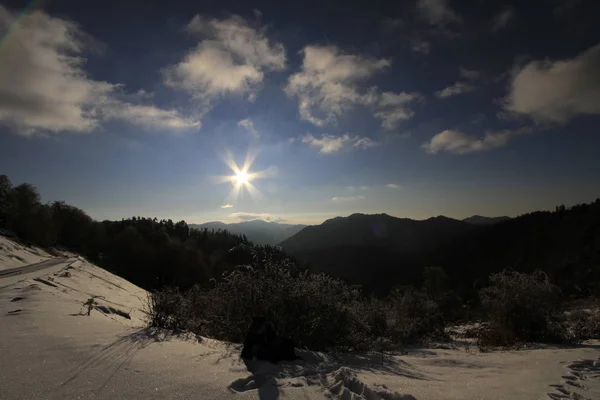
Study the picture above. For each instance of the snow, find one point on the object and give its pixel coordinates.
(50, 349)
(13, 254)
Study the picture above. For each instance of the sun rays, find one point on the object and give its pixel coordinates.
(242, 177)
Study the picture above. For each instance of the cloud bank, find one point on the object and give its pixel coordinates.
(457, 142)
(46, 89)
(328, 83)
(557, 91)
(245, 216)
(438, 12)
(231, 58)
(328, 144)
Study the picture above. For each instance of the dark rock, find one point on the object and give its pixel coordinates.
(263, 343)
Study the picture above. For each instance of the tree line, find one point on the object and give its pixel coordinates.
(149, 252)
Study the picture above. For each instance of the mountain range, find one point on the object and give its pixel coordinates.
(379, 251)
(479, 220)
(257, 231)
(384, 229)
(379, 230)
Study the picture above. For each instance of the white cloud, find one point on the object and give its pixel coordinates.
(343, 199)
(327, 85)
(393, 108)
(232, 59)
(556, 91)
(227, 206)
(438, 12)
(469, 74)
(364, 143)
(420, 46)
(454, 89)
(249, 125)
(391, 118)
(503, 19)
(364, 188)
(45, 87)
(330, 144)
(397, 99)
(453, 141)
(245, 216)
(392, 186)
(460, 87)
(148, 116)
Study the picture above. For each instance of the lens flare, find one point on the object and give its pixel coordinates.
(242, 177)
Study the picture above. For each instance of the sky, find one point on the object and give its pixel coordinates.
(414, 108)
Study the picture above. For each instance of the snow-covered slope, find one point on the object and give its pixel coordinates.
(50, 349)
(13, 254)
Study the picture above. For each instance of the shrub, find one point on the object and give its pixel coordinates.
(314, 310)
(169, 309)
(585, 325)
(521, 308)
(414, 316)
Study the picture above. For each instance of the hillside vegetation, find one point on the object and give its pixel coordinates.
(380, 251)
(426, 274)
(148, 252)
(257, 231)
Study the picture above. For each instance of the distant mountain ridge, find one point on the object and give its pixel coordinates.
(378, 252)
(374, 251)
(402, 234)
(480, 220)
(257, 231)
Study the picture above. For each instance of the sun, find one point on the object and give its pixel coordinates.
(241, 178)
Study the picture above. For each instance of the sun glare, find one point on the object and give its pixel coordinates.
(242, 177)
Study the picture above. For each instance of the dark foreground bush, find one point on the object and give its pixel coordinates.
(415, 316)
(521, 308)
(316, 311)
(584, 324)
(166, 309)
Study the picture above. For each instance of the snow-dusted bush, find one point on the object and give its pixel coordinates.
(585, 324)
(169, 309)
(316, 311)
(521, 308)
(414, 316)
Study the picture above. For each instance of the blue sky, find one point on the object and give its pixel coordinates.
(414, 108)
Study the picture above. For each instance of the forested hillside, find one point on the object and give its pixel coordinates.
(257, 231)
(377, 252)
(380, 251)
(149, 252)
(380, 230)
